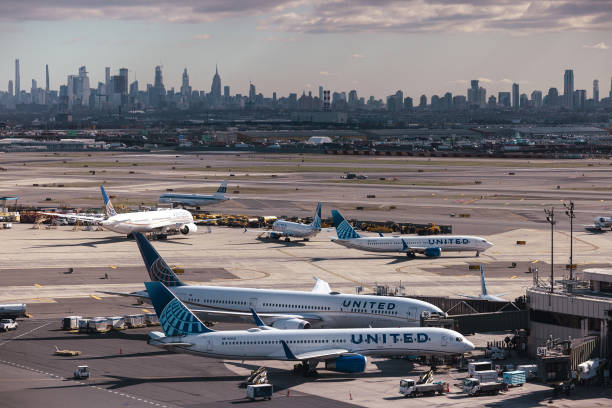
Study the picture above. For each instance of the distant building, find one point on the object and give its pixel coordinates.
(536, 99)
(579, 98)
(515, 96)
(252, 91)
(226, 92)
(504, 99)
(595, 91)
(215, 87)
(10, 87)
(568, 88)
(523, 101)
(185, 88)
(17, 81)
(423, 101)
(78, 88)
(552, 98)
(477, 96)
(408, 103)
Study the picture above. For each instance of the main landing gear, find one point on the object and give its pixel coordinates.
(411, 255)
(305, 369)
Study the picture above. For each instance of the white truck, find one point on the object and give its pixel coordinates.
(409, 388)
(8, 324)
(473, 387)
(475, 366)
(81, 372)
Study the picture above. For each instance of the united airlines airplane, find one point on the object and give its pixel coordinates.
(158, 222)
(342, 350)
(194, 200)
(484, 294)
(288, 229)
(431, 246)
(286, 309)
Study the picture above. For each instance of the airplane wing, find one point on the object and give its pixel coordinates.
(321, 286)
(468, 296)
(207, 221)
(140, 294)
(87, 218)
(319, 354)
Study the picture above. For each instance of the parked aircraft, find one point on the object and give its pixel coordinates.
(342, 350)
(599, 223)
(484, 294)
(158, 222)
(286, 309)
(288, 229)
(431, 246)
(194, 200)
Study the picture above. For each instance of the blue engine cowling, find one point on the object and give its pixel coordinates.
(347, 364)
(433, 252)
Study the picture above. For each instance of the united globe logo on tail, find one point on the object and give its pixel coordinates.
(160, 271)
(176, 320)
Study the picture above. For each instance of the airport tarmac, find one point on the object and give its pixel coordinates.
(60, 272)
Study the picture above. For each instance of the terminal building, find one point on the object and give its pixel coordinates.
(577, 309)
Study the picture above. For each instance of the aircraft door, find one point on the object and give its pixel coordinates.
(209, 344)
(412, 314)
(444, 341)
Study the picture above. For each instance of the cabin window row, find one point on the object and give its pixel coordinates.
(311, 341)
(306, 307)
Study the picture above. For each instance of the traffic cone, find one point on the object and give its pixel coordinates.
(288, 392)
(120, 350)
(350, 396)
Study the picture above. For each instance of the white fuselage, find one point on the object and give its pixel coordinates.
(261, 344)
(322, 310)
(147, 221)
(294, 229)
(191, 200)
(603, 222)
(407, 243)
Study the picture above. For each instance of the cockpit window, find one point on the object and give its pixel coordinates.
(459, 339)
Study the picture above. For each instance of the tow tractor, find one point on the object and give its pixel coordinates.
(81, 372)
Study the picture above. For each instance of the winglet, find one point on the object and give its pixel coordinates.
(158, 269)
(288, 353)
(257, 319)
(110, 210)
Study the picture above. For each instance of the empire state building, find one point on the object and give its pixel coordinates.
(215, 88)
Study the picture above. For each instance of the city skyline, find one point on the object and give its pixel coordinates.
(419, 46)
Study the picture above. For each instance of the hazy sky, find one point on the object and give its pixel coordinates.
(374, 46)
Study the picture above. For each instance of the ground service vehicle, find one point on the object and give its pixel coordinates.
(479, 366)
(409, 388)
(81, 372)
(473, 387)
(514, 378)
(8, 324)
(255, 391)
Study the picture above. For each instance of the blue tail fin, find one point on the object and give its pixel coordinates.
(174, 317)
(343, 228)
(158, 269)
(482, 281)
(110, 210)
(221, 190)
(316, 221)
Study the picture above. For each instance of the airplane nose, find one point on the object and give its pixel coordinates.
(469, 346)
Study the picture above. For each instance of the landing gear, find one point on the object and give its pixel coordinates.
(130, 236)
(306, 239)
(287, 239)
(477, 254)
(410, 255)
(305, 369)
(161, 237)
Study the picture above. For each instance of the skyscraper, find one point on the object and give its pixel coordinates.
(157, 94)
(595, 91)
(515, 96)
(10, 87)
(610, 95)
(536, 99)
(226, 92)
(215, 87)
(107, 81)
(17, 81)
(252, 91)
(504, 99)
(568, 88)
(46, 78)
(185, 88)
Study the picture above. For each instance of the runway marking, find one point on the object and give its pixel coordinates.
(536, 261)
(95, 297)
(145, 310)
(38, 285)
(513, 277)
(79, 382)
(23, 334)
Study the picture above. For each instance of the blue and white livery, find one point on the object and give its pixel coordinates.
(194, 200)
(342, 350)
(431, 246)
(484, 295)
(286, 309)
(288, 229)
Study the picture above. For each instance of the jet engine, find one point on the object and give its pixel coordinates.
(188, 228)
(347, 364)
(290, 324)
(433, 252)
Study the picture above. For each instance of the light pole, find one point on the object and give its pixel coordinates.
(550, 217)
(569, 211)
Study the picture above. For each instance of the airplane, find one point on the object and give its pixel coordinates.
(159, 222)
(431, 247)
(288, 229)
(194, 200)
(484, 294)
(342, 350)
(286, 309)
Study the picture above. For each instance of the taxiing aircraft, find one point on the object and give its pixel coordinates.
(194, 200)
(158, 222)
(342, 350)
(288, 229)
(431, 246)
(484, 294)
(286, 309)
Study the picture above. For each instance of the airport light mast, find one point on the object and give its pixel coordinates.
(569, 211)
(550, 217)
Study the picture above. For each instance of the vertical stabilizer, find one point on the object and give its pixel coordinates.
(343, 228)
(158, 269)
(110, 210)
(316, 220)
(482, 281)
(221, 190)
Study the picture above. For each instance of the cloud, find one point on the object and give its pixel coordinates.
(202, 37)
(74, 40)
(599, 46)
(358, 56)
(485, 80)
(335, 16)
